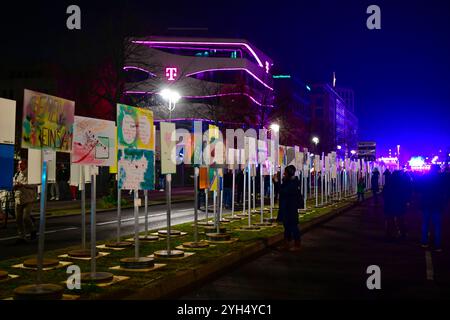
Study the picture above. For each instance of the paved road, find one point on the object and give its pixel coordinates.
(66, 231)
(333, 262)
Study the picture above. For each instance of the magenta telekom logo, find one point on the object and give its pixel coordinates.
(171, 73)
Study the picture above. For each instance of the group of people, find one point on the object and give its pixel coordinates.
(432, 190)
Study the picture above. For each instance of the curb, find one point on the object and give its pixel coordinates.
(181, 281)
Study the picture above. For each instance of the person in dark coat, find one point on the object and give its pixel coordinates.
(290, 197)
(433, 200)
(396, 196)
(227, 188)
(276, 186)
(387, 175)
(374, 184)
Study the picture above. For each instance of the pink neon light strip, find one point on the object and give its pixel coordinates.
(197, 119)
(232, 69)
(197, 48)
(205, 43)
(140, 69)
(210, 96)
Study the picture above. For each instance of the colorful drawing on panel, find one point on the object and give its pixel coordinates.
(47, 122)
(203, 178)
(136, 169)
(168, 148)
(94, 142)
(7, 165)
(135, 128)
(281, 155)
(213, 179)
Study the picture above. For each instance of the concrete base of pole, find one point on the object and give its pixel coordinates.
(218, 236)
(98, 277)
(169, 254)
(137, 263)
(225, 220)
(163, 233)
(205, 223)
(80, 253)
(46, 263)
(242, 215)
(196, 245)
(148, 238)
(264, 224)
(39, 292)
(3, 275)
(212, 229)
(120, 244)
(253, 227)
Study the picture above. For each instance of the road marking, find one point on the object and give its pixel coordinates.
(46, 232)
(429, 263)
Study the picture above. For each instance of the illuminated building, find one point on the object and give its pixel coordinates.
(206, 71)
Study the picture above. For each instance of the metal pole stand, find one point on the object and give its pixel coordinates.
(39, 290)
(136, 262)
(94, 276)
(169, 253)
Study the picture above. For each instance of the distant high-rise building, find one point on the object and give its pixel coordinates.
(332, 118)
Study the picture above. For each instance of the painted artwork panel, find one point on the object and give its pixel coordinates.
(203, 178)
(136, 169)
(7, 165)
(94, 142)
(47, 122)
(168, 148)
(135, 128)
(7, 121)
(213, 179)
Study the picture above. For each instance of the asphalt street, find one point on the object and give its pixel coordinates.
(66, 230)
(334, 260)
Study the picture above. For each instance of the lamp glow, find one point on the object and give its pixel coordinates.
(315, 140)
(275, 127)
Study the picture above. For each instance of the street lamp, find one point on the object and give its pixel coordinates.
(275, 127)
(172, 97)
(315, 140)
(339, 147)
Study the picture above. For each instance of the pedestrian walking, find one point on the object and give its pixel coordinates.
(433, 200)
(361, 189)
(24, 195)
(290, 202)
(396, 196)
(375, 184)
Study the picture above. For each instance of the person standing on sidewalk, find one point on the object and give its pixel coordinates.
(290, 202)
(227, 188)
(374, 184)
(24, 195)
(361, 189)
(433, 201)
(396, 197)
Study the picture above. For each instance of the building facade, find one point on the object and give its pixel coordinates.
(332, 120)
(215, 77)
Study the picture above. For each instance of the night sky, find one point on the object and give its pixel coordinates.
(400, 74)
